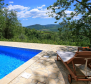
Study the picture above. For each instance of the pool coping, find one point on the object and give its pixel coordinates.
(11, 76)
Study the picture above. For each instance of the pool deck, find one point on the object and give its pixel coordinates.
(43, 70)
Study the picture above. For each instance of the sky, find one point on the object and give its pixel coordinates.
(30, 12)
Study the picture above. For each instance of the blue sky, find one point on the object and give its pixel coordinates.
(31, 12)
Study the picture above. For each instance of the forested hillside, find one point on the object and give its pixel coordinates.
(49, 27)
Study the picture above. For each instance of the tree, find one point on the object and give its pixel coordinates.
(2, 22)
(11, 24)
(78, 27)
(1, 17)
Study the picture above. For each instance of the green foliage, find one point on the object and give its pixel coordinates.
(47, 37)
(1, 18)
(9, 23)
(22, 36)
(77, 27)
(76, 33)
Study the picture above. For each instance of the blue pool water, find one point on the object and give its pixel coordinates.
(12, 57)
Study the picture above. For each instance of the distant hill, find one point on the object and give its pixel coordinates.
(49, 27)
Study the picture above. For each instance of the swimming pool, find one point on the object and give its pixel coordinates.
(13, 57)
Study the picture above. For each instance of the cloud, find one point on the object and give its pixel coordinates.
(17, 7)
(76, 17)
(41, 7)
(26, 12)
(11, 2)
(68, 14)
(55, 7)
(38, 12)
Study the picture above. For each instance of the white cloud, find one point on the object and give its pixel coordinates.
(56, 7)
(18, 7)
(11, 2)
(26, 12)
(41, 7)
(68, 12)
(76, 17)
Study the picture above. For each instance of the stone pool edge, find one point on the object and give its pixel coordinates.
(11, 76)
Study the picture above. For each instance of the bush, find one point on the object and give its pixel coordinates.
(22, 36)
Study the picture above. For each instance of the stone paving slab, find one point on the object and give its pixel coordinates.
(44, 70)
(47, 71)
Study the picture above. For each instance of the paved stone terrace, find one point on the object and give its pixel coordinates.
(45, 70)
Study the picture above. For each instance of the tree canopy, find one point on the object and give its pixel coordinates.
(81, 26)
(9, 24)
